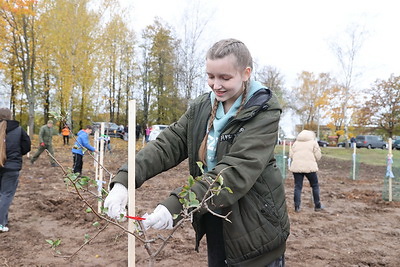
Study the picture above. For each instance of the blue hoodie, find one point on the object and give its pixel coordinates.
(82, 142)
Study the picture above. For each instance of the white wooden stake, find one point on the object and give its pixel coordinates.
(354, 160)
(131, 183)
(390, 156)
(28, 155)
(101, 161)
(283, 159)
(96, 160)
(96, 156)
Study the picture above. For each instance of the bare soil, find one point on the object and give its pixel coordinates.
(357, 227)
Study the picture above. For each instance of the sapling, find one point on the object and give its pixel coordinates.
(54, 244)
(188, 199)
(83, 186)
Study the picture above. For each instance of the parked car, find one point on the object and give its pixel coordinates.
(323, 143)
(342, 144)
(110, 128)
(155, 130)
(370, 141)
(396, 144)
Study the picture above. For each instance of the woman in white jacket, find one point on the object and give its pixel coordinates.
(304, 155)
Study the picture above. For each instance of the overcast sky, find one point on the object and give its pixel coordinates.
(294, 35)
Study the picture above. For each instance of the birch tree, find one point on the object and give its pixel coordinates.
(347, 52)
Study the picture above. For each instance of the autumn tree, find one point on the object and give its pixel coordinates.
(160, 52)
(128, 71)
(118, 65)
(8, 68)
(191, 54)
(336, 107)
(272, 78)
(68, 45)
(311, 97)
(12, 80)
(45, 61)
(19, 18)
(144, 80)
(383, 107)
(347, 52)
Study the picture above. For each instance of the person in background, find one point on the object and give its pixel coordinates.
(304, 155)
(45, 142)
(107, 143)
(66, 133)
(233, 129)
(352, 141)
(16, 144)
(138, 131)
(81, 145)
(126, 133)
(147, 133)
(121, 131)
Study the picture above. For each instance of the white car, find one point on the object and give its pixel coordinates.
(155, 130)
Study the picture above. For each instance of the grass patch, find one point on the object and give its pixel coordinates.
(375, 157)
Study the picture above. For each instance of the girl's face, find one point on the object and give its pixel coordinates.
(225, 79)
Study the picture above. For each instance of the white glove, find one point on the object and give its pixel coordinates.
(161, 218)
(116, 201)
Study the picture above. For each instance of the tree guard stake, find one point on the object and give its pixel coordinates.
(354, 160)
(131, 182)
(100, 166)
(389, 172)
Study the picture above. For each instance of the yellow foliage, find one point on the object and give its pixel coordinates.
(339, 132)
(18, 7)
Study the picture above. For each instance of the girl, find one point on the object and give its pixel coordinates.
(232, 128)
(14, 142)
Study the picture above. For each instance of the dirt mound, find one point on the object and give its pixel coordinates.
(357, 228)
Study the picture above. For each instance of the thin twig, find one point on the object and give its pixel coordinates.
(87, 242)
(186, 216)
(94, 210)
(5, 262)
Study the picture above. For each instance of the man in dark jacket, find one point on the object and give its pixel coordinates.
(45, 142)
(17, 143)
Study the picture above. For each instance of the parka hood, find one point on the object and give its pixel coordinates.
(305, 136)
(258, 95)
(11, 125)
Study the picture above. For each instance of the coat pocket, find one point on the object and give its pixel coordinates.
(266, 207)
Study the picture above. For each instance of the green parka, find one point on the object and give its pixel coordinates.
(46, 135)
(260, 224)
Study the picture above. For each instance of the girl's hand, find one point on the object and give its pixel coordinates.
(161, 218)
(116, 201)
